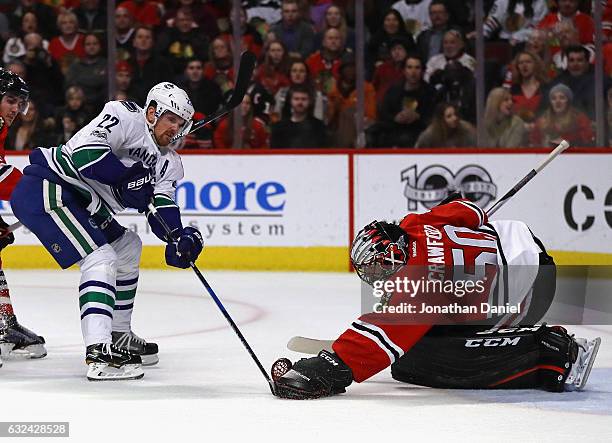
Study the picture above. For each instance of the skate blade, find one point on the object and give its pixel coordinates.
(149, 360)
(104, 372)
(32, 351)
(581, 383)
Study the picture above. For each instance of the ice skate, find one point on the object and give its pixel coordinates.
(579, 374)
(138, 346)
(107, 362)
(18, 341)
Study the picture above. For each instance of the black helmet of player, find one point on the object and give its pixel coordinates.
(13, 85)
(379, 251)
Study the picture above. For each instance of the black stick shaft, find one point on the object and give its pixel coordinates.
(218, 302)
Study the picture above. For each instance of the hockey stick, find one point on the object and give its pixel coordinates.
(218, 302)
(308, 345)
(558, 150)
(245, 72)
(10, 228)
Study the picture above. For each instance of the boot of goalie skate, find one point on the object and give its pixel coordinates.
(19, 341)
(581, 368)
(320, 376)
(136, 345)
(107, 362)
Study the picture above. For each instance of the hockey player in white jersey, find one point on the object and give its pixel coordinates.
(69, 195)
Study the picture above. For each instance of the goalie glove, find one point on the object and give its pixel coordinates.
(379, 251)
(185, 247)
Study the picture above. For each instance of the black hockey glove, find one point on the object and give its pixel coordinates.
(185, 249)
(135, 187)
(6, 237)
(315, 377)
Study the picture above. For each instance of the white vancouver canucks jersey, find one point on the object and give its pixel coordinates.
(120, 129)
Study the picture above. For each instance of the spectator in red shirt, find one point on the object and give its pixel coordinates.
(146, 13)
(254, 132)
(561, 121)
(272, 73)
(68, 46)
(528, 80)
(391, 71)
(568, 10)
(325, 63)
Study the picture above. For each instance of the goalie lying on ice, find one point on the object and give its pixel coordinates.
(466, 348)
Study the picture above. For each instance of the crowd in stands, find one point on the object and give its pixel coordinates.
(420, 88)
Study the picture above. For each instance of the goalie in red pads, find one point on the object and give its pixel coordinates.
(449, 243)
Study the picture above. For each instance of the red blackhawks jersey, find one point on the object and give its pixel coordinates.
(440, 240)
(9, 175)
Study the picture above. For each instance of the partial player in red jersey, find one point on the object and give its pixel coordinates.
(450, 244)
(14, 338)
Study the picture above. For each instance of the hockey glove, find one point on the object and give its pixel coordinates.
(315, 377)
(6, 237)
(185, 249)
(378, 251)
(135, 187)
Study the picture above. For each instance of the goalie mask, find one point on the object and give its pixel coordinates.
(168, 97)
(379, 251)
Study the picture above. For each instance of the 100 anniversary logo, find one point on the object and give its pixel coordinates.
(435, 182)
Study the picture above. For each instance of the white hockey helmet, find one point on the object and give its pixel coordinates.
(167, 96)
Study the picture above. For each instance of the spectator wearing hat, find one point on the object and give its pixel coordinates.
(342, 105)
(562, 121)
(391, 71)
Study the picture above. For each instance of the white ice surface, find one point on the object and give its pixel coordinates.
(206, 388)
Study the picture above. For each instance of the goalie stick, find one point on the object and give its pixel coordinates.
(306, 345)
